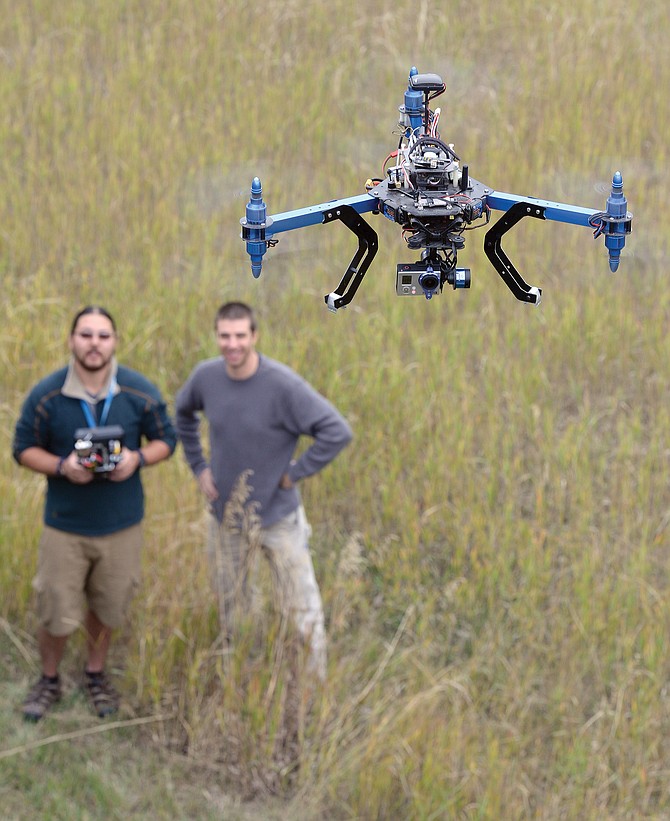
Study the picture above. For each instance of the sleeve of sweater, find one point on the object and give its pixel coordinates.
(156, 422)
(29, 429)
(32, 427)
(188, 404)
(311, 414)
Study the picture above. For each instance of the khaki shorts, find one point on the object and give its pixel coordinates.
(102, 572)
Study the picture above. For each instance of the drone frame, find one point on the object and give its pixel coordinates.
(434, 200)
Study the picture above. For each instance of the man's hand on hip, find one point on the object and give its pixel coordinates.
(207, 486)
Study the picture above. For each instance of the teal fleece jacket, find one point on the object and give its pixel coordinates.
(49, 419)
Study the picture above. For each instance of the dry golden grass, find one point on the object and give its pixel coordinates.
(493, 548)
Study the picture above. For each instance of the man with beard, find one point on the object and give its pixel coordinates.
(89, 551)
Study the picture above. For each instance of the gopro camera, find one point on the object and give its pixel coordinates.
(99, 448)
(422, 279)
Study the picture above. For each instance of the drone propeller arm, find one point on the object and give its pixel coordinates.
(614, 222)
(258, 229)
(315, 214)
(557, 211)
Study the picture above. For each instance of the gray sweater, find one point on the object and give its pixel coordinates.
(255, 424)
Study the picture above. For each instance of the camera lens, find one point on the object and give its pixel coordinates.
(429, 281)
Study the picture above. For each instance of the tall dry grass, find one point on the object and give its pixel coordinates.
(492, 549)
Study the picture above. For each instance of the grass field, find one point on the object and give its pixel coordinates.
(493, 548)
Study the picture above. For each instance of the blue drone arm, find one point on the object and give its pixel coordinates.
(558, 211)
(614, 222)
(258, 231)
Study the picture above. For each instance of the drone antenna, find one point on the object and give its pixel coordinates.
(427, 86)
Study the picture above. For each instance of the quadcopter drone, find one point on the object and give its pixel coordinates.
(431, 195)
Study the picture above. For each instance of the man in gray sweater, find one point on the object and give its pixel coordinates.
(257, 409)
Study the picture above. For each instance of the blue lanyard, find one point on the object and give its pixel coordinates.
(90, 420)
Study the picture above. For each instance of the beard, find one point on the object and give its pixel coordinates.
(98, 364)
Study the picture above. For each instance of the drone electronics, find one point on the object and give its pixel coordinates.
(431, 195)
(98, 449)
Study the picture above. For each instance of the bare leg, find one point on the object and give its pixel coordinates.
(98, 638)
(51, 651)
